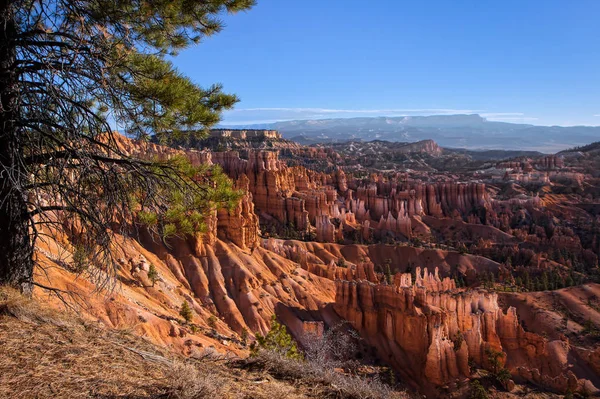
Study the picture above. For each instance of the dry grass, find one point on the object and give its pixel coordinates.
(324, 382)
(48, 354)
(187, 381)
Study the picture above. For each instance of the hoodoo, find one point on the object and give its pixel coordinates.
(433, 333)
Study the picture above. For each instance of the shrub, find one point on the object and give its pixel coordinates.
(503, 375)
(277, 340)
(80, 259)
(327, 382)
(212, 322)
(186, 382)
(477, 391)
(335, 349)
(391, 377)
(186, 312)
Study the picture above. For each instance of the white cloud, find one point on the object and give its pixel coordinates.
(597, 115)
(229, 122)
(501, 114)
(361, 111)
(512, 119)
(260, 115)
(241, 116)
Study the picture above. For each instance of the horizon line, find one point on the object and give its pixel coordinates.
(508, 119)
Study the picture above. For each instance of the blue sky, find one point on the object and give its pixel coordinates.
(528, 61)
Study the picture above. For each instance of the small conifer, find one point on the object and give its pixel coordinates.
(244, 336)
(153, 274)
(186, 312)
(278, 340)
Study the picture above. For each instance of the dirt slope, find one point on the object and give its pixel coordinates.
(49, 354)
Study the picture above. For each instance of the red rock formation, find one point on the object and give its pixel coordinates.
(393, 205)
(271, 184)
(147, 150)
(222, 272)
(240, 225)
(333, 207)
(429, 331)
(429, 147)
(550, 162)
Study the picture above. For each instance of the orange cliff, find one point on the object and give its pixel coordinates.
(222, 273)
(430, 331)
(335, 207)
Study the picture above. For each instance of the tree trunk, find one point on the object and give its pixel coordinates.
(16, 248)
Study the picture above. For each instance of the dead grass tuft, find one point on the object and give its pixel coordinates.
(328, 382)
(12, 303)
(185, 381)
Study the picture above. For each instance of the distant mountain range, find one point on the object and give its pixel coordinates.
(456, 131)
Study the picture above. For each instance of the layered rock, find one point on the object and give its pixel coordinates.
(550, 162)
(271, 184)
(334, 207)
(440, 199)
(222, 272)
(430, 331)
(429, 147)
(240, 225)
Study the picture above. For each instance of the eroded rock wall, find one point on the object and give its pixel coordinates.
(336, 208)
(430, 331)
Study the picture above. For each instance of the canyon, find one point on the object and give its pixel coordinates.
(432, 268)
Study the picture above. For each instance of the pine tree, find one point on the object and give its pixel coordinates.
(186, 312)
(244, 336)
(80, 259)
(544, 282)
(553, 280)
(153, 274)
(68, 70)
(538, 284)
(494, 357)
(527, 281)
(388, 274)
(519, 282)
